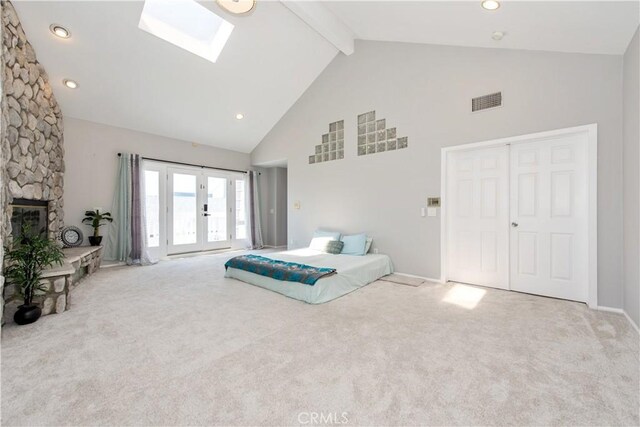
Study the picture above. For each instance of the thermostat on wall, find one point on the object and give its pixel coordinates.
(433, 202)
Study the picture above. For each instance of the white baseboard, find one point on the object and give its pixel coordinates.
(610, 309)
(632, 322)
(620, 311)
(111, 264)
(419, 277)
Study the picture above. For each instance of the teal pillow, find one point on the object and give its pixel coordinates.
(329, 246)
(355, 244)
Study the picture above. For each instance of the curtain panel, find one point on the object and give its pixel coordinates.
(254, 226)
(127, 238)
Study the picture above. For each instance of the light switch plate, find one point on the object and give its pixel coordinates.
(296, 205)
(432, 212)
(433, 202)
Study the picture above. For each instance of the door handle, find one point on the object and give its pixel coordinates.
(206, 214)
(514, 224)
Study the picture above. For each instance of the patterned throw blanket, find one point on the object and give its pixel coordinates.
(279, 270)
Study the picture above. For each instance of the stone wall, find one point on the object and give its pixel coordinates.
(32, 130)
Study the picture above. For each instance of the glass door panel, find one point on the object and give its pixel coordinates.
(184, 212)
(152, 207)
(241, 210)
(215, 210)
(185, 209)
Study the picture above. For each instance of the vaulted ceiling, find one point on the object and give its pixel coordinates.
(131, 79)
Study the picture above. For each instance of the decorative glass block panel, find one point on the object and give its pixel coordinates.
(391, 133)
(371, 116)
(374, 137)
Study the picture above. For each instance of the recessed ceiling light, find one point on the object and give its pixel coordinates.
(237, 7)
(497, 35)
(491, 4)
(71, 84)
(239, 116)
(60, 31)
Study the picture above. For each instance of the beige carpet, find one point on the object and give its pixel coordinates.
(176, 344)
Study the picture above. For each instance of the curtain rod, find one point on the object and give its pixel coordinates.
(191, 164)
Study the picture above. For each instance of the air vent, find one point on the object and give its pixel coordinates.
(487, 101)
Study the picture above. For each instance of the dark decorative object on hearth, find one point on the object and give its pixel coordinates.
(71, 236)
(29, 255)
(96, 219)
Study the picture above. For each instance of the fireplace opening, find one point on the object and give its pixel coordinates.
(29, 215)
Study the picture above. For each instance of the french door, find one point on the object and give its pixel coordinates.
(478, 189)
(517, 216)
(549, 200)
(193, 209)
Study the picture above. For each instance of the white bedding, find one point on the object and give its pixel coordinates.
(353, 272)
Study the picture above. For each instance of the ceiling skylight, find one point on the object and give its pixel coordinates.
(186, 24)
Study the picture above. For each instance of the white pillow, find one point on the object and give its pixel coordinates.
(368, 245)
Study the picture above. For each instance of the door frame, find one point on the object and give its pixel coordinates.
(592, 182)
(162, 250)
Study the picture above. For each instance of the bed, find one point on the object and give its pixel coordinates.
(352, 273)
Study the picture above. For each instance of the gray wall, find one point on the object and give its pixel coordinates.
(273, 205)
(91, 157)
(425, 92)
(631, 90)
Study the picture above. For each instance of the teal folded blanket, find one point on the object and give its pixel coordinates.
(279, 270)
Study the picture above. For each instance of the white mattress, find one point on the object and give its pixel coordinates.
(353, 272)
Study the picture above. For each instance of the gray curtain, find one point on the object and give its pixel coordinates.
(127, 239)
(254, 229)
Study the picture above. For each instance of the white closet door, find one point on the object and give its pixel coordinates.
(478, 216)
(549, 234)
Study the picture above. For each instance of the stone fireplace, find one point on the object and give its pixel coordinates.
(31, 136)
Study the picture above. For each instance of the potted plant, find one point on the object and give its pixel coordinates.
(96, 219)
(29, 255)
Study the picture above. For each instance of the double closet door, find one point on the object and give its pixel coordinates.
(517, 217)
(193, 209)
